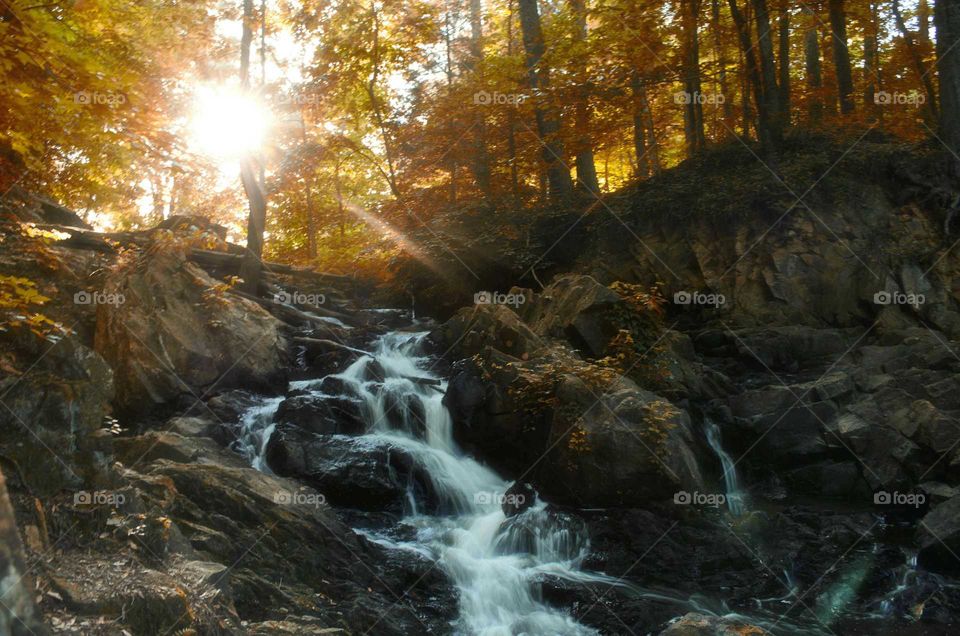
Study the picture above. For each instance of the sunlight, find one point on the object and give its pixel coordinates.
(227, 124)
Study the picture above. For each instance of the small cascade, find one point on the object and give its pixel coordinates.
(495, 561)
(734, 495)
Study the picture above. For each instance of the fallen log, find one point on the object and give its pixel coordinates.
(294, 314)
(224, 260)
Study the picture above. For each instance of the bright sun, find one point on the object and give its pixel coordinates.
(227, 124)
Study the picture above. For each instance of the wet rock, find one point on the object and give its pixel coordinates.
(171, 336)
(518, 498)
(474, 329)
(361, 472)
(695, 624)
(322, 414)
(939, 537)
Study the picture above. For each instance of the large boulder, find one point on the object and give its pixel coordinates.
(169, 332)
(939, 537)
(52, 423)
(577, 308)
(323, 414)
(19, 615)
(354, 472)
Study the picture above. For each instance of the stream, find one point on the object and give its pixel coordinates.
(494, 560)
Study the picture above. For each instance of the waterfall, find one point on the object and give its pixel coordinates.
(494, 561)
(734, 495)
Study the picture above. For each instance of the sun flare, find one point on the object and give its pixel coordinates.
(227, 124)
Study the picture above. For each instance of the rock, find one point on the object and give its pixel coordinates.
(19, 615)
(322, 414)
(294, 626)
(354, 472)
(518, 498)
(939, 537)
(577, 308)
(695, 624)
(134, 452)
(172, 336)
(52, 414)
(474, 329)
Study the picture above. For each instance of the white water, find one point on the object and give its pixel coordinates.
(734, 495)
(493, 565)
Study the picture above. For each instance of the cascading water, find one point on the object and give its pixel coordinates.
(734, 495)
(493, 560)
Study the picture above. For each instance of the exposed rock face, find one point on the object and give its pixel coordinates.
(323, 415)
(171, 336)
(939, 537)
(52, 424)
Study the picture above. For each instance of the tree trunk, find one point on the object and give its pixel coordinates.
(559, 184)
(841, 56)
(512, 122)
(481, 164)
(586, 166)
(718, 51)
(871, 60)
(639, 126)
(916, 57)
(377, 107)
(452, 132)
(947, 22)
(814, 74)
(693, 99)
(770, 92)
(257, 219)
(784, 51)
(764, 125)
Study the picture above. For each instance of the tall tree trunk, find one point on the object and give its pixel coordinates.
(481, 164)
(586, 166)
(452, 132)
(377, 107)
(639, 126)
(693, 103)
(871, 61)
(923, 17)
(764, 125)
(814, 74)
(784, 51)
(718, 52)
(560, 186)
(512, 121)
(916, 58)
(770, 92)
(256, 196)
(947, 21)
(841, 56)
